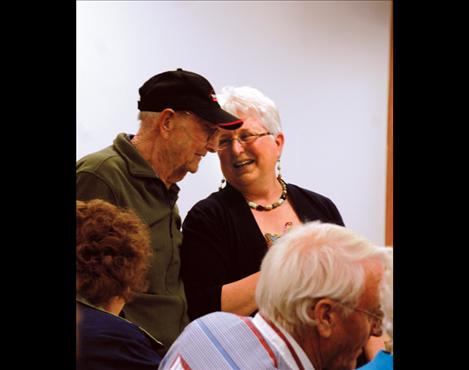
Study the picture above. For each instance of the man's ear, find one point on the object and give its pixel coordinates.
(325, 316)
(166, 121)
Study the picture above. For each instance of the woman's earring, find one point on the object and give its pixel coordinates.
(223, 184)
(278, 169)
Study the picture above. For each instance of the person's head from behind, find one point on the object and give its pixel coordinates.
(250, 152)
(112, 254)
(180, 110)
(321, 283)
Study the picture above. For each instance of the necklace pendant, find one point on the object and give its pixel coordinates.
(271, 238)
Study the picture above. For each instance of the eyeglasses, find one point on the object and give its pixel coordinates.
(371, 314)
(244, 138)
(210, 130)
(376, 319)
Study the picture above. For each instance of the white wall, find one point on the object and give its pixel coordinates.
(325, 64)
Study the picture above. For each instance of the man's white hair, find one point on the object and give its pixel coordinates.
(313, 261)
(386, 296)
(144, 116)
(250, 101)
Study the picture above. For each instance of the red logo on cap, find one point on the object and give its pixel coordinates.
(213, 97)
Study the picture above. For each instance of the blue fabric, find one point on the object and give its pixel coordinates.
(218, 345)
(382, 361)
(108, 342)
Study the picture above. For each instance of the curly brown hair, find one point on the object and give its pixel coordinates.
(113, 252)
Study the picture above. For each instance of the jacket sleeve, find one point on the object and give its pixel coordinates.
(204, 257)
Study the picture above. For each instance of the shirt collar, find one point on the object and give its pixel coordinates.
(278, 342)
(85, 302)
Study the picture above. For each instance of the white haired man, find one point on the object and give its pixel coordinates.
(319, 303)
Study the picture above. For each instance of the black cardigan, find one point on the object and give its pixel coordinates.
(222, 242)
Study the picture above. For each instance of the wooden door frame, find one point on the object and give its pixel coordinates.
(390, 143)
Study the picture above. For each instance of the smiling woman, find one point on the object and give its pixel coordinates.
(226, 235)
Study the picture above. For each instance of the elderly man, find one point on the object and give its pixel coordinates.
(179, 120)
(319, 303)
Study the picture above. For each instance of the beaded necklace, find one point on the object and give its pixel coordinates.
(276, 204)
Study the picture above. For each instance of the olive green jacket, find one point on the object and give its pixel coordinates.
(119, 175)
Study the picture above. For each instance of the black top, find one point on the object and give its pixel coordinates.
(222, 242)
(109, 342)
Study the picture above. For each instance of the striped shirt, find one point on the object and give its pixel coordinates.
(223, 340)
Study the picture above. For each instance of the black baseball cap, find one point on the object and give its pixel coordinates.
(184, 90)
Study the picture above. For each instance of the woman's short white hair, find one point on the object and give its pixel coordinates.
(312, 261)
(251, 102)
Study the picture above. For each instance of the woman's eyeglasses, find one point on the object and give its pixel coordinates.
(244, 138)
